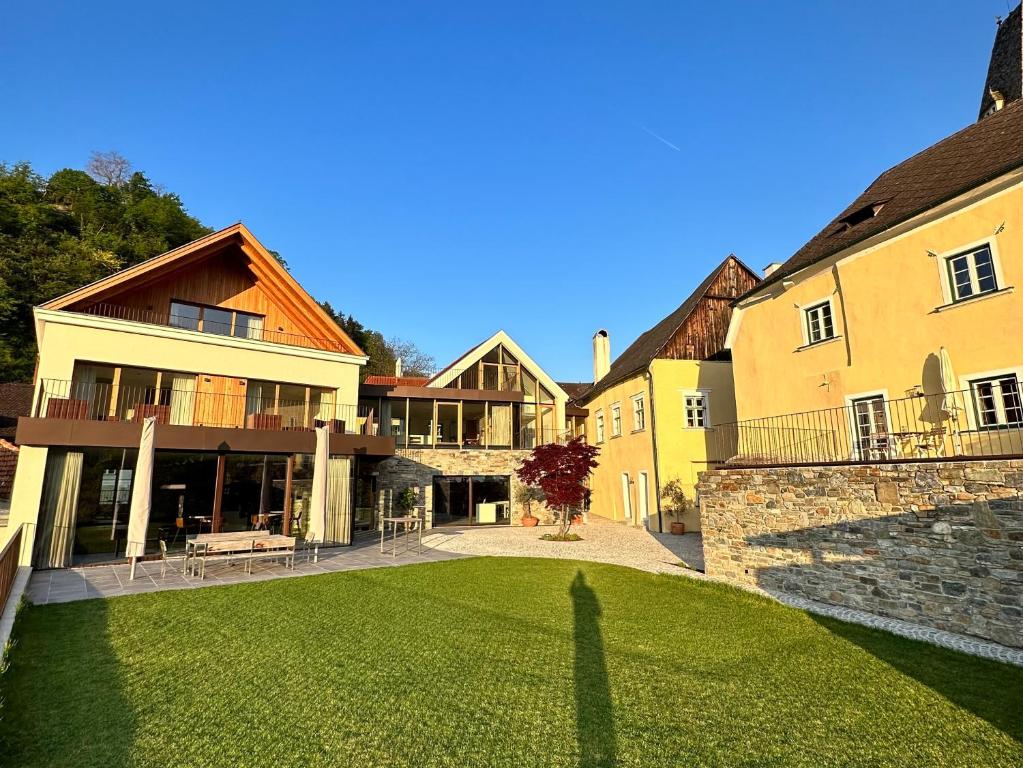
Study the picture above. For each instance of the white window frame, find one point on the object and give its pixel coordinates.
(966, 383)
(855, 453)
(599, 420)
(943, 261)
(703, 393)
(638, 408)
(616, 419)
(804, 320)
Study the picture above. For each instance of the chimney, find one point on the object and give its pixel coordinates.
(601, 355)
(1005, 72)
(397, 367)
(771, 268)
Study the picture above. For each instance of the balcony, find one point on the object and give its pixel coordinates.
(256, 409)
(189, 322)
(978, 423)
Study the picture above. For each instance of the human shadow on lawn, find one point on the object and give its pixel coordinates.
(64, 700)
(594, 716)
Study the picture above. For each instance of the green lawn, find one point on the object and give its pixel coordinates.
(489, 662)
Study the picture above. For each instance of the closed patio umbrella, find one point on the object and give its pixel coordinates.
(142, 496)
(949, 405)
(317, 525)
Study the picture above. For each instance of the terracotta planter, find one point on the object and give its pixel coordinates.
(678, 529)
(530, 522)
(577, 519)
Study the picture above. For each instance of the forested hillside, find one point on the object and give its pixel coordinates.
(77, 226)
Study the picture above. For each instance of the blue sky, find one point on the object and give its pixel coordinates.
(444, 169)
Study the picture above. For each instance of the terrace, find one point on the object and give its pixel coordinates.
(983, 422)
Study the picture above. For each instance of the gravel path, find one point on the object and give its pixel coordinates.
(603, 542)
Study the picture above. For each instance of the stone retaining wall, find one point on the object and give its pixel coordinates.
(416, 468)
(939, 544)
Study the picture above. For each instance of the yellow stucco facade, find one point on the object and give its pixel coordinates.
(636, 463)
(893, 311)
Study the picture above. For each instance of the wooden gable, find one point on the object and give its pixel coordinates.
(228, 269)
(702, 335)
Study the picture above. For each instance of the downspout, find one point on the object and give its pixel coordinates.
(653, 437)
(845, 319)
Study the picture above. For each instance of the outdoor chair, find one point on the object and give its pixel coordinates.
(310, 547)
(296, 522)
(166, 558)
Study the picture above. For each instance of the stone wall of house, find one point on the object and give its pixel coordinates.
(416, 468)
(939, 544)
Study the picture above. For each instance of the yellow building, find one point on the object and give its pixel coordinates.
(897, 331)
(651, 412)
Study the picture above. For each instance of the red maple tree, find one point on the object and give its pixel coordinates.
(560, 471)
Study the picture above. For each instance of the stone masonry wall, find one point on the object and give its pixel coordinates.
(939, 544)
(416, 468)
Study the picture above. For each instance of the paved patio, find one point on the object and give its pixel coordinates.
(61, 586)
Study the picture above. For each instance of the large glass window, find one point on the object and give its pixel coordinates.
(217, 320)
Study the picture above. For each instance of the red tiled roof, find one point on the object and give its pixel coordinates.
(398, 381)
(8, 463)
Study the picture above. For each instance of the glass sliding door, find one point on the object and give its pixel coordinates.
(471, 500)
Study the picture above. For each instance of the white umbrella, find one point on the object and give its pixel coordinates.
(317, 525)
(142, 496)
(949, 406)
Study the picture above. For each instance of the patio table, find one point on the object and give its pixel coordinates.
(231, 541)
(408, 521)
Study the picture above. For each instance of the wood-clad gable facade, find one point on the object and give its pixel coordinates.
(227, 270)
(702, 334)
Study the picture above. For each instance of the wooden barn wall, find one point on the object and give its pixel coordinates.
(703, 334)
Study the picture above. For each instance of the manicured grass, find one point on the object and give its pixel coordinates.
(489, 661)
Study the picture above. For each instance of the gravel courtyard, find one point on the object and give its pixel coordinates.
(603, 542)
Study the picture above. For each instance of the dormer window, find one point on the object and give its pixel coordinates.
(858, 216)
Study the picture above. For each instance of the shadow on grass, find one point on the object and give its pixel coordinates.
(594, 715)
(63, 695)
(990, 690)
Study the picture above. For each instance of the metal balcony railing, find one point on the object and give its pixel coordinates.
(983, 422)
(186, 322)
(87, 401)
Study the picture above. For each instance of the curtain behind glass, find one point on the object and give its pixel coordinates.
(182, 398)
(339, 500)
(59, 508)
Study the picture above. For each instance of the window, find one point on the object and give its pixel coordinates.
(223, 322)
(600, 426)
(997, 401)
(638, 413)
(819, 323)
(696, 411)
(972, 273)
(616, 420)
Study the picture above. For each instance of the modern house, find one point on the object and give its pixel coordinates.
(237, 364)
(651, 411)
(898, 329)
(460, 434)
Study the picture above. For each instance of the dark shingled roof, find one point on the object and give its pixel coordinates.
(574, 389)
(643, 350)
(965, 160)
(15, 401)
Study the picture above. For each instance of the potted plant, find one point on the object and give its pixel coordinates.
(527, 495)
(406, 500)
(678, 504)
